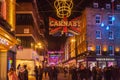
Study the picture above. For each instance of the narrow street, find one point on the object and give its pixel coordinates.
(60, 77)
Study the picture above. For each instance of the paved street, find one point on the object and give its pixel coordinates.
(60, 77)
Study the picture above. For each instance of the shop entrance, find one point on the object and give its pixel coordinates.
(91, 64)
(102, 64)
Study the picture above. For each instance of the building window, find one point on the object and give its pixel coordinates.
(98, 19)
(95, 5)
(118, 7)
(108, 6)
(110, 35)
(98, 50)
(110, 19)
(98, 34)
(110, 50)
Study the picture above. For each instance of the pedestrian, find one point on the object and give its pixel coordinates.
(65, 71)
(12, 74)
(45, 71)
(40, 73)
(73, 73)
(23, 73)
(36, 72)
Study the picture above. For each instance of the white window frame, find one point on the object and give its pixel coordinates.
(110, 36)
(98, 50)
(108, 6)
(110, 20)
(98, 20)
(95, 5)
(99, 34)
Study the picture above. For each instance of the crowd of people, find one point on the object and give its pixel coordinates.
(52, 72)
(76, 73)
(20, 74)
(96, 73)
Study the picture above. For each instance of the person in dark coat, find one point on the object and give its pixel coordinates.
(73, 73)
(25, 72)
(36, 72)
(40, 73)
(53, 73)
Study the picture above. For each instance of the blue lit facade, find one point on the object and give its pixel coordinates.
(99, 41)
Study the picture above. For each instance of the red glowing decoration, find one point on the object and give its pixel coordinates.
(64, 26)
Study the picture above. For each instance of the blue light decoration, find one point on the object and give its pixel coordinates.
(108, 27)
(113, 18)
(102, 24)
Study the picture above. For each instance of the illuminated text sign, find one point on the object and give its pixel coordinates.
(64, 23)
(105, 59)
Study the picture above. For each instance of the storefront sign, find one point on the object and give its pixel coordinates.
(81, 60)
(3, 41)
(64, 23)
(105, 59)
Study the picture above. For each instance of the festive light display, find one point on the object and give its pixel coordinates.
(63, 8)
(64, 25)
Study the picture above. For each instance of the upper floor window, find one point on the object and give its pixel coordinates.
(110, 50)
(95, 5)
(98, 19)
(98, 34)
(110, 20)
(110, 35)
(118, 7)
(98, 50)
(108, 6)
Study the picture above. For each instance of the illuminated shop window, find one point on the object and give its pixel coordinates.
(110, 19)
(110, 50)
(98, 50)
(110, 35)
(98, 34)
(98, 19)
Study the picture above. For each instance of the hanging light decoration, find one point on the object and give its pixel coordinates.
(63, 8)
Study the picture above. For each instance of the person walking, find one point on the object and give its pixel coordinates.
(23, 73)
(12, 74)
(40, 73)
(36, 72)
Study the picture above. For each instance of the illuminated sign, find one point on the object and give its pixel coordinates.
(105, 59)
(65, 26)
(3, 41)
(64, 23)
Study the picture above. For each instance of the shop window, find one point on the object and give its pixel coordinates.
(98, 34)
(110, 50)
(110, 35)
(110, 20)
(98, 19)
(98, 50)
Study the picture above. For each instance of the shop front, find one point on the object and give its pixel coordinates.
(101, 62)
(7, 54)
